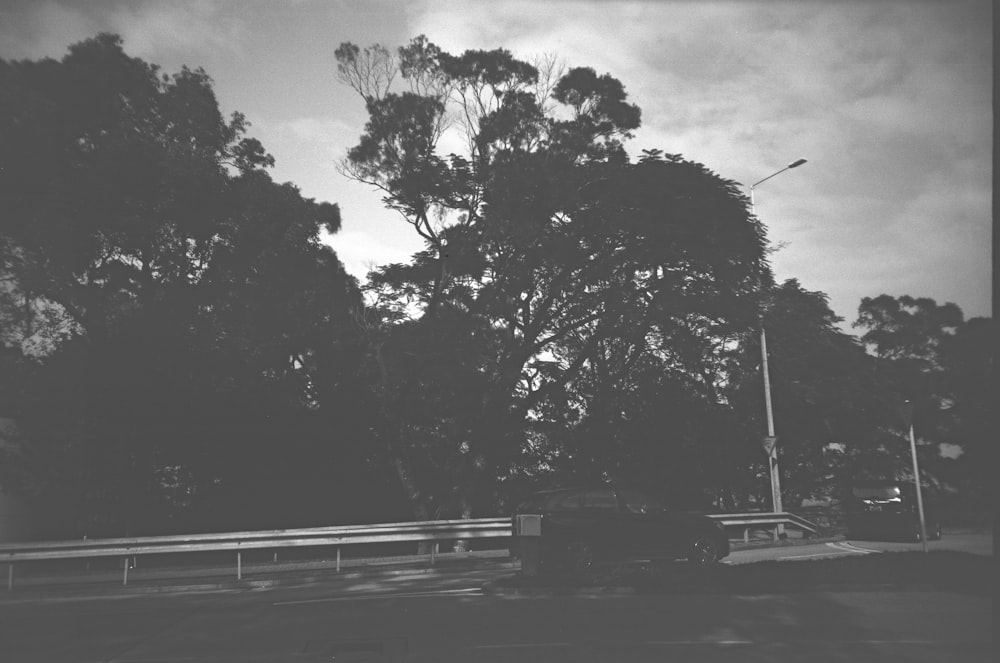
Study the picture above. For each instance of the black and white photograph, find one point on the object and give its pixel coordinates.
(419, 331)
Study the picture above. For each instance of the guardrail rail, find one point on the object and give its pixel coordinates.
(433, 531)
(765, 520)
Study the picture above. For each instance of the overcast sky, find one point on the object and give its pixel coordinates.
(890, 102)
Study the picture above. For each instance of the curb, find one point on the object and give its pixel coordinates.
(493, 589)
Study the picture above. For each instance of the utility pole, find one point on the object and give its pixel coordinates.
(907, 412)
(771, 441)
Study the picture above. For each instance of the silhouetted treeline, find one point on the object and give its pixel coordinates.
(181, 351)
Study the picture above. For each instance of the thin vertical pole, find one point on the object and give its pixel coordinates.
(920, 498)
(338, 559)
(772, 452)
(125, 572)
(10, 576)
(239, 565)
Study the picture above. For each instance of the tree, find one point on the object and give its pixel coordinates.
(198, 337)
(907, 336)
(833, 415)
(929, 354)
(967, 358)
(543, 233)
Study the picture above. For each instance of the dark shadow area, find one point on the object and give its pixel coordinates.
(954, 571)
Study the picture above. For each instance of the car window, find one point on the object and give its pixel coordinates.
(572, 500)
(636, 502)
(602, 498)
(879, 492)
(533, 503)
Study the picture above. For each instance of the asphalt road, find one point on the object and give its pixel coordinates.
(439, 624)
(445, 617)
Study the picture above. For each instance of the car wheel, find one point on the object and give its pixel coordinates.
(704, 552)
(580, 556)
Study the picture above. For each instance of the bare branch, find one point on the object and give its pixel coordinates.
(369, 72)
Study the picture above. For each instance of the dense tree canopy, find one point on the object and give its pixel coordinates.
(180, 350)
(543, 234)
(943, 364)
(184, 326)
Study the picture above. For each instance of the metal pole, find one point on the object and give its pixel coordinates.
(771, 442)
(239, 565)
(772, 451)
(920, 499)
(10, 576)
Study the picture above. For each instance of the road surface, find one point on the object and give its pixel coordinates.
(441, 618)
(439, 624)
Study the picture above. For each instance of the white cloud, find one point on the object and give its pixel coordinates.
(362, 249)
(46, 29)
(152, 29)
(890, 102)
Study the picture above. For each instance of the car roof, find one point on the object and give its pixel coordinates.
(571, 489)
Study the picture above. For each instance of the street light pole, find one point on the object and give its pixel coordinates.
(770, 442)
(907, 412)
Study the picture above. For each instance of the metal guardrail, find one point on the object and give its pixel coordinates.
(424, 531)
(765, 520)
(431, 531)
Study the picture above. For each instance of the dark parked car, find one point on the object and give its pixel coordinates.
(888, 510)
(583, 527)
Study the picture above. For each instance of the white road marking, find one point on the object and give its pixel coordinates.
(851, 546)
(839, 549)
(670, 643)
(838, 546)
(470, 591)
(825, 554)
(525, 645)
(717, 643)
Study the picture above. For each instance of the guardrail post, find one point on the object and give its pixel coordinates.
(10, 576)
(338, 559)
(125, 572)
(239, 565)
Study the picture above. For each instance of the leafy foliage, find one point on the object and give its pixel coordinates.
(543, 236)
(181, 351)
(943, 364)
(192, 340)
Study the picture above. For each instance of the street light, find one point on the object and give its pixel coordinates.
(794, 164)
(770, 442)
